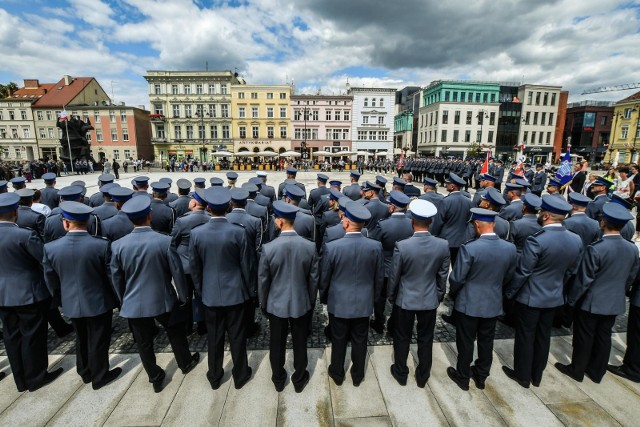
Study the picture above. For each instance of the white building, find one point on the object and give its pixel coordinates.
(372, 119)
(539, 117)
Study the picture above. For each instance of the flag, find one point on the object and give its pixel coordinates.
(485, 165)
(63, 115)
(564, 174)
(519, 171)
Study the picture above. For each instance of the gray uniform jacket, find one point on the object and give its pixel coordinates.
(283, 184)
(477, 197)
(352, 276)
(336, 232)
(411, 190)
(143, 264)
(162, 217)
(521, 229)
(96, 200)
(288, 276)
(483, 268)
(450, 222)
(106, 210)
(31, 219)
(22, 279)
(181, 234)
(549, 258)
(433, 197)
(49, 197)
(220, 263)
(588, 229)
(316, 194)
(594, 208)
(513, 211)
(608, 268)
(419, 272)
(53, 228)
(389, 231)
(379, 210)
(84, 287)
(352, 191)
(180, 205)
(251, 224)
(268, 191)
(116, 227)
(539, 181)
(305, 225)
(171, 197)
(257, 211)
(501, 228)
(628, 231)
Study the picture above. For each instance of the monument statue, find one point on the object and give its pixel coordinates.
(74, 137)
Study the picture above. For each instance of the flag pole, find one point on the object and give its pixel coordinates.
(66, 128)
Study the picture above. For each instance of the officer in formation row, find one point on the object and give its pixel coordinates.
(228, 269)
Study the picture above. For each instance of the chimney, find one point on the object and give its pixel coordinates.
(31, 84)
(67, 80)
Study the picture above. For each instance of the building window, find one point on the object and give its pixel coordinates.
(372, 135)
(362, 135)
(212, 110)
(535, 118)
(627, 113)
(446, 96)
(38, 114)
(603, 120)
(551, 119)
(127, 154)
(445, 117)
(51, 133)
(492, 118)
(187, 89)
(456, 134)
(493, 97)
(553, 99)
(490, 136)
(455, 96)
(327, 116)
(99, 135)
(366, 102)
(96, 117)
(176, 110)
(467, 136)
(625, 132)
(89, 137)
(297, 115)
(225, 111)
(456, 118)
(443, 136)
(214, 131)
(365, 120)
(529, 98)
(187, 110)
(157, 89)
(116, 154)
(336, 115)
(157, 109)
(314, 115)
(545, 99)
(177, 131)
(548, 138)
(478, 97)
(114, 135)
(346, 116)
(373, 102)
(533, 137)
(112, 116)
(174, 89)
(26, 133)
(23, 114)
(240, 95)
(123, 116)
(527, 117)
(283, 132)
(18, 153)
(242, 112)
(201, 134)
(225, 131)
(255, 131)
(270, 131)
(49, 115)
(269, 95)
(463, 96)
(254, 95)
(254, 112)
(540, 138)
(199, 89)
(212, 89)
(243, 132)
(199, 110)
(469, 117)
(43, 132)
(160, 132)
(380, 120)
(283, 95)
(543, 119)
(537, 98)
(270, 112)
(189, 131)
(525, 135)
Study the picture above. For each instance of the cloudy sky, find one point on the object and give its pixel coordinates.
(320, 44)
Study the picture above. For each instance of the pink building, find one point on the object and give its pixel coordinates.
(321, 122)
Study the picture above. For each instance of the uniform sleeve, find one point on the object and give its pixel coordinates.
(525, 266)
(314, 278)
(40, 225)
(379, 280)
(35, 247)
(443, 274)
(107, 267)
(195, 264)
(460, 270)
(633, 274)
(51, 276)
(585, 275)
(438, 221)
(394, 275)
(117, 275)
(264, 279)
(376, 233)
(247, 267)
(177, 272)
(176, 236)
(326, 274)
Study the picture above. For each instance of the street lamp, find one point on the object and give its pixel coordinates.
(481, 116)
(203, 150)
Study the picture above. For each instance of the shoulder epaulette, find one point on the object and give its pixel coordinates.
(99, 237)
(539, 232)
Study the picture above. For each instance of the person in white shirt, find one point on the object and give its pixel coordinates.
(39, 207)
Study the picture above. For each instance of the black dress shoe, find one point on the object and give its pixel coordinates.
(302, 384)
(49, 377)
(477, 379)
(158, 384)
(2, 375)
(456, 378)
(592, 378)
(566, 369)
(401, 380)
(356, 383)
(279, 387)
(109, 377)
(86, 380)
(336, 379)
(239, 384)
(422, 383)
(195, 358)
(621, 372)
(64, 331)
(448, 318)
(510, 373)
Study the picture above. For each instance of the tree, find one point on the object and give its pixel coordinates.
(474, 150)
(5, 90)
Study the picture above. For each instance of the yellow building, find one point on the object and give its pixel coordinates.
(261, 117)
(625, 131)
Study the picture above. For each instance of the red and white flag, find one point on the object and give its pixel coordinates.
(63, 115)
(485, 165)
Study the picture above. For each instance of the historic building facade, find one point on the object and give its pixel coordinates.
(372, 127)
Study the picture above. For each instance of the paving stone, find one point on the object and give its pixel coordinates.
(364, 422)
(196, 404)
(619, 401)
(356, 402)
(256, 404)
(580, 414)
(407, 405)
(555, 387)
(140, 406)
(37, 408)
(92, 407)
(312, 407)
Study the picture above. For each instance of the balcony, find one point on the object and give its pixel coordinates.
(158, 140)
(157, 117)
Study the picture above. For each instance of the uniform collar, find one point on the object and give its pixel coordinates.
(219, 219)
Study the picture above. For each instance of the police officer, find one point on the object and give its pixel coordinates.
(317, 193)
(118, 225)
(379, 210)
(181, 204)
(484, 267)
(291, 179)
(539, 180)
(608, 268)
(213, 181)
(588, 229)
(23, 309)
(331, 217)
(352, 191)
(553, 188)
(149, 280)
(108, 208)
(53, 228)
(416, 286)
(336, 231)
(3, 186)
(389, 231)
(171, 197)
(232, 177)
(180, 236)
(26, 216)
(352, 278)
(629, 229)
(266, 190)
(141, 186)
(323, 205)
(163, 216)
(304, 224)
(521, 229)
(431, 192)
(498, 172)
(49, 194)
(381, 182)
(287, 285)
(221, 274)
(492, 200)
(85, 289)
(485, 181)
(97, 199)
(18, 183)
(513, 210)
(254, 209)
(548, 257)
(450, 223)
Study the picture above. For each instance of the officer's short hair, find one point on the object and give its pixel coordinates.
(422, 222)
